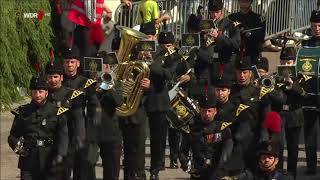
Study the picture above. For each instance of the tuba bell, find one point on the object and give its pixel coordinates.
(130, 73)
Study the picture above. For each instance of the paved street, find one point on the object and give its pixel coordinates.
(9, 160)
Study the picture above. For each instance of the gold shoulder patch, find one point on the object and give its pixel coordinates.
(262, 19)
(185, 58)
(62, 110)
(76, 93)
(15, 111)
(186, 129)
(264, 91)
(236, 23)
(89, 82)
(224, 125)
(306, 77)
(209, 41)
(241, 107)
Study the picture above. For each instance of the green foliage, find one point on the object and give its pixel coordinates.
(23, 42)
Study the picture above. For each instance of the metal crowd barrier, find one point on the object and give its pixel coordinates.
(281, 15)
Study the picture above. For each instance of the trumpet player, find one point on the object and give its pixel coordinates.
(219, 50)
(291, 112)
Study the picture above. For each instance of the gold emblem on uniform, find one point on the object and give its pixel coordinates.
(262, 18)
(224, 125)
(264, 91)
(190, 40)
(181, 111)
(236, 23)
(89, 82)
(93, 66)
(241, 108)
(307, 66)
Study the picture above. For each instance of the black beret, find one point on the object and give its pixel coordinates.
(288, 53)
(166, 38)
(207, 101)
(244, 63)
(215, 5)
(71, 53)
(37, 83)
(54, 67)
(263, 63)
(269, 147)
(315, 16)
(223, 82)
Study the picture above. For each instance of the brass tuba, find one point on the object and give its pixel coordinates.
(130, 73)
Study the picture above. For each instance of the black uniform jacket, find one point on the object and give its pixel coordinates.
(89, 101)
(46, 123)
(71, 99)
(212, 141)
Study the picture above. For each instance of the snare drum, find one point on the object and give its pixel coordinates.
(182, 110)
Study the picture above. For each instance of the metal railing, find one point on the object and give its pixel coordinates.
(281, 15)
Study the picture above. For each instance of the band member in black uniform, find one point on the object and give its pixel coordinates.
(211, 141)
(108, 133)
(311, 113)
(134, 132)
(157, 105)
(272, 104)
(68, 98)
(91, 111)
(219, 50)
(253, 27)
(268, 152)
(291, 113)
(39, 134)
(245, 93)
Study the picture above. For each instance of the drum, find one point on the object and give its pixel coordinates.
(183, 110)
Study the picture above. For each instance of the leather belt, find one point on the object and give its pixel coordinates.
(41, 142)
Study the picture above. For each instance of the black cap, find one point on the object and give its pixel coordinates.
(269, 147)
(263, 63)
(315, 16)
(148, 28)
(223, 82)
(207, 101)
(166, 38)
(244, 63)
(71, 53)
(215, 5)
(54, 67)
(37, 83)
(288, 53)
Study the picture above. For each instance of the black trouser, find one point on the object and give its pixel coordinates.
(78, 161)
(158, 132)
(312, 118)
(134, 136)
(110, 153)
(174, 143)
(292, 139)
(36, 175)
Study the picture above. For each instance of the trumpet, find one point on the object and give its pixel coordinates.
(265, 81)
